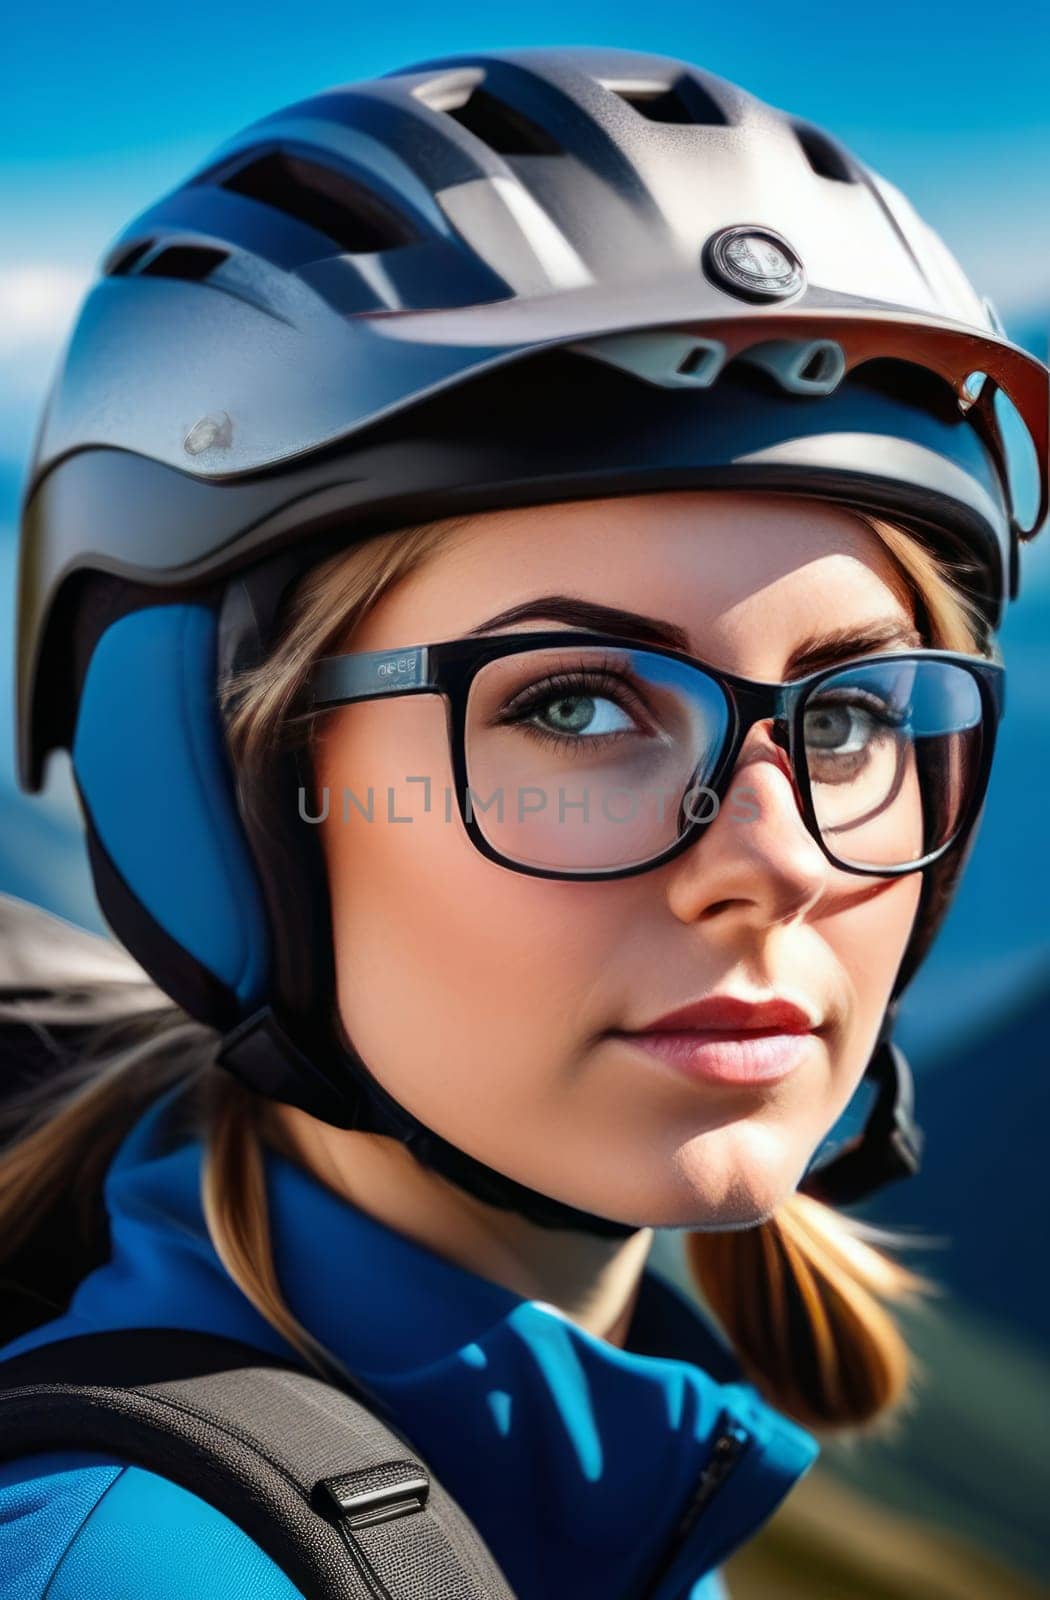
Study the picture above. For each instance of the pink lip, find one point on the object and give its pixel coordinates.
(724, 1056)
(724, 1039)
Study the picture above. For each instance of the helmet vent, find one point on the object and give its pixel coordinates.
(193, 262)
(817, 368)
(330, 202)
(684, 101)
(506, 130)
(823, 154)
(123, 261)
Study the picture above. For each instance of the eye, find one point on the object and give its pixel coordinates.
(840, 727)
(582, 714)
(844, 726)
(568, 708)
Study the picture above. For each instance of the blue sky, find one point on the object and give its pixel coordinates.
(105, 107)
(102, 108)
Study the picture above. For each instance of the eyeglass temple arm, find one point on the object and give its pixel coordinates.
(337, 680)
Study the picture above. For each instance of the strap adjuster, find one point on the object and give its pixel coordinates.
(373, 1494)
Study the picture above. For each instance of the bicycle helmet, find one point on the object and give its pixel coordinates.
(477, 281)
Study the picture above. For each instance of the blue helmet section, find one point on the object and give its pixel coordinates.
(152, 769)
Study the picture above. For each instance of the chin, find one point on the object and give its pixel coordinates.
(744, 1200)
(726, 1180)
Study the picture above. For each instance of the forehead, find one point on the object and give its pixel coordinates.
(746, 575)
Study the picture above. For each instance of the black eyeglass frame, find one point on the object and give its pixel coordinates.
(449, 667)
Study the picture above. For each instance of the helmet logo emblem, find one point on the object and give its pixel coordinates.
(210, 433)
(753, 264)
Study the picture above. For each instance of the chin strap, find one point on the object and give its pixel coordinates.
(262, 1054)
(889, 1146)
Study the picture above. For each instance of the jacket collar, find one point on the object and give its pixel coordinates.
(571, 1456)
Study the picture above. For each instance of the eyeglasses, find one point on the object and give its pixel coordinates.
(576, 755)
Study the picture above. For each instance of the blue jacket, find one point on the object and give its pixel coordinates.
(573, 1458)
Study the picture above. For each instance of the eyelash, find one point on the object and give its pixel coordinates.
(578, 680)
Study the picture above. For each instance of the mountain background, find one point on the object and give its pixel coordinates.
(103, 111)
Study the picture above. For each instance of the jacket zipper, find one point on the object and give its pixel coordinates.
(729, 1446)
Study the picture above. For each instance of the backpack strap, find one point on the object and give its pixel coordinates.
(332, 1492)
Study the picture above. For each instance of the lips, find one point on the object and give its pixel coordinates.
(731, 1015)
(728, 1040)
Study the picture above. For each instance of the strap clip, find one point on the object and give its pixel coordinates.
(373, 1494)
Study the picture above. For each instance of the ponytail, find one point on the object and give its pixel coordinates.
(59, 1133)
(803, 1300)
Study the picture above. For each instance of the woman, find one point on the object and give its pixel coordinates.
(561, 471)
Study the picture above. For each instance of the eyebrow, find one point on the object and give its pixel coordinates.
(839, 644)
(817, 651)
(591, 614)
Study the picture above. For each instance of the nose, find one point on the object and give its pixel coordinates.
(756, 859)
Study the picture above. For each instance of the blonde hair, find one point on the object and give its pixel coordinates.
(804, 1297)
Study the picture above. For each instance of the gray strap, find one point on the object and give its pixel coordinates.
(330, 1490)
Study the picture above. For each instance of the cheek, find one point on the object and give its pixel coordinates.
(461, 984)
(867, 939)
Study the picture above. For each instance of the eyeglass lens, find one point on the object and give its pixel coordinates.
(892, 751)
(597, 758)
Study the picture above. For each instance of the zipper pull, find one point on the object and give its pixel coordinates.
(729, 1446)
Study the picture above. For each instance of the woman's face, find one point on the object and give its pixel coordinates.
(489, 1002)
